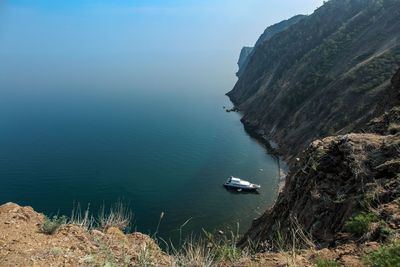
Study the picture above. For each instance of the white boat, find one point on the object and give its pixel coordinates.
(239, 184)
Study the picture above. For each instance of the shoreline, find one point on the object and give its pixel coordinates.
(270, 146)
(272, 149)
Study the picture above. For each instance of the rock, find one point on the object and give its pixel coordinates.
(337, 174)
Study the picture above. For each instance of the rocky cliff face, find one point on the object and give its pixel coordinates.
(327, 74)
(335, 179)
(327, 90)
(243, 59)
(247, 52)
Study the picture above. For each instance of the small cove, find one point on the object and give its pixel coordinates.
(167, 152)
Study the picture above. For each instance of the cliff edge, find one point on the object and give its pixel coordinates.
(327, 90)
(23, 243)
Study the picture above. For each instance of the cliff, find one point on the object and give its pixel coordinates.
(243, 59)
(247, 52)
(338, 178)
(328, 90)
(327, 74)
(343, 192)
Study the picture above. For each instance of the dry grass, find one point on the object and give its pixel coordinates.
(209, 250)
(194, 253)
(118, 216)
(82, 219)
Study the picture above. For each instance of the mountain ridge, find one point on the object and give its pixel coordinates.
(327, 90)
(289, 88)
(247, 52)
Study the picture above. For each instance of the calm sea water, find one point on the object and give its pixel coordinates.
(162, 151)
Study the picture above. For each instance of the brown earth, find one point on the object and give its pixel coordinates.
(23, 244)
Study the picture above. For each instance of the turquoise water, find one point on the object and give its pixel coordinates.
(160, 150)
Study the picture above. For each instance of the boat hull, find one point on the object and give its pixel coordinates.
(241, 188)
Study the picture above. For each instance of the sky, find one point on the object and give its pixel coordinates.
(131, 43)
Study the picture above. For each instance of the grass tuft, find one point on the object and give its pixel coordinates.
(119, 216)
(359, 225)
(82, 219)
(194, 253)
(321, 262)
(145, 258)
(50, 225)
(56, 251)
(386, 256)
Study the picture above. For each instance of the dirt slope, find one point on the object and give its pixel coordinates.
(22, 244)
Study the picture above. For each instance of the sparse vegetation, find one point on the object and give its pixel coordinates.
(50, 225)
(370, 200)
(224, 249)
(118, 216)
(321, 262)
(84, 220)
(359, 225)
(145, 258)
(194, 253)
(394, 128)
(209, 250)
(88, 259)
(386, 256)
(56, 251)
(384, 232)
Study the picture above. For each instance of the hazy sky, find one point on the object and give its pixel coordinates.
(132, 43)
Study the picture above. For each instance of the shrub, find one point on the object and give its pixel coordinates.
(384, 232)
(359, 224)
(50, 226)
(326, 263)
(386, 256)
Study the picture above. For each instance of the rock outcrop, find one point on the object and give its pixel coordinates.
(247, 52)
(332, 182)
(243, 59)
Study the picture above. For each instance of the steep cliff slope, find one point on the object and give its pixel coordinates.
(247, 52)
(327, 74)
(336, 179)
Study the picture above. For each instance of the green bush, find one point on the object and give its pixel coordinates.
(50, 226)
(386, 256)
(359, 224)
(326, 263)
(384, 231)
